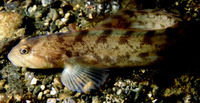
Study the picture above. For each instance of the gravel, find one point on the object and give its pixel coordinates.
(176, 80)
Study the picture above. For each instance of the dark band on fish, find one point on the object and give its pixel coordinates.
(147, 38)
(124, 38)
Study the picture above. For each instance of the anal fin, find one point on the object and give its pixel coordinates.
(83, 78)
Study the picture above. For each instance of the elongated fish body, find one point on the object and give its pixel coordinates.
(87, 54)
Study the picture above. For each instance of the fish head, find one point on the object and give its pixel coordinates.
(25, 54)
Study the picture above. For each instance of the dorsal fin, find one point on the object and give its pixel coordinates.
(140, 20)
(118, 20)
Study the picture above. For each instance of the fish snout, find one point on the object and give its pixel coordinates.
(9, 55)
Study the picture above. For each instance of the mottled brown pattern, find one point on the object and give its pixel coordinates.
(68, 53)
(122, 22)
(107, 59)
(118, 21)
(76, 54)
(128, 12)
(102, 39)
(79, 38)
(122, 58)
(112, 44)
(97, 57)
(60, 39)
(50, 37)
(143, 55)
(107, 32)
(32, 41)
(147, 38)
(124, 38)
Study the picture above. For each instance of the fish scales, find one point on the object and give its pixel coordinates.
(108, 51)
(127, 39)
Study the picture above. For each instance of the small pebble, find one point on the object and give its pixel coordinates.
(154, 89)
(67, 15)
(28, 75)
(67, 90)
(45, 3)
(47, 80)
(28, 3)
(5, 98)
(95, 99)
(1, 7)
(119, 91)
(47, 91)
(76, 7)
(64, 29)
(20, 32)
(114, 89)
(136, 89)
(63, 96)
(53, 15)
(77, 94)
(36, 90)
(115, 6)
(149, 95)
(28, 101)
(32, 10)
(154, 101)
(120, 84)
(64, 20)
(42, 87)
(60, 22)
(90, 16)
(6, 86)
(33, 81)
(51, 100)
(57, 83)
(187, 98)
(47, 21)
(18, 97)
(31, 88)
(143, 70)
(48, 95)
(60, 11)
(39, 97)
(38, 15)
(99, 8)
(146, 83)
(53, 91)
(71, 100)
(2, 82)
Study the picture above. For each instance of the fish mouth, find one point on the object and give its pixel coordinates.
(9, 56)
(13, 59)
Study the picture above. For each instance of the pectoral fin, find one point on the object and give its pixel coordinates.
(83, 78)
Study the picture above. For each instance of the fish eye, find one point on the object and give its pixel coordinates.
(24, 50)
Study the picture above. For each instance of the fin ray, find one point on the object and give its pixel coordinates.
(83, 78)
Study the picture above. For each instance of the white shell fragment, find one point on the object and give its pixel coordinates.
(33, 81)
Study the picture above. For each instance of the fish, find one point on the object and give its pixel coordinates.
(130, 38)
